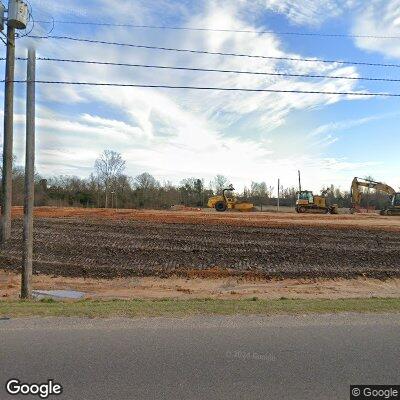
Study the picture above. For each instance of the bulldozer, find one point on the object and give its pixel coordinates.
(356, 195)
(224, 202)
(308, 203)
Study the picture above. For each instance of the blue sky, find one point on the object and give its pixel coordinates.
(245, 136)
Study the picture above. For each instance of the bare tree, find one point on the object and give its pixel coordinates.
(220, 182)
(147, 188)
(146, 181)
(259, 192)
(192, 191)
(109, 166)
(368, 194)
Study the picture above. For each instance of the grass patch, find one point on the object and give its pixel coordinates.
(169, 307)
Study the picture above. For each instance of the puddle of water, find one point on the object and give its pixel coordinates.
(58, 294)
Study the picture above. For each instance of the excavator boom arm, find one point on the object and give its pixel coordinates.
(358, 183)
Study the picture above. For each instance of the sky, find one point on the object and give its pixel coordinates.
(174, 134)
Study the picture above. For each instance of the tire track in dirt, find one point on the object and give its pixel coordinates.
(111, 248)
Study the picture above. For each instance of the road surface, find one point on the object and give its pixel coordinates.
(280, 357)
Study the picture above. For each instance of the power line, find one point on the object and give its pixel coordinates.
(282, 74)
(258, 32)
(230, 89)
(141, 46)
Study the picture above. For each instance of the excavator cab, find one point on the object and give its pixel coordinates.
(396, 200)
(394, 207)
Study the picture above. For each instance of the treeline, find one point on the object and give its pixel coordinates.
(109, 187)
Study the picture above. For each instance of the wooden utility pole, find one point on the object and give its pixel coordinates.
(26, 288)
(299, 181)
(6, 201)
(279, 192)
(112, 199)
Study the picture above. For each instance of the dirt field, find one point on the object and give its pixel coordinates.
(257, 219)
(109, 244)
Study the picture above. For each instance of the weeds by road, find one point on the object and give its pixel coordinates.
(168, 307)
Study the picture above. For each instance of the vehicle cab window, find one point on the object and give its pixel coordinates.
(306, 196)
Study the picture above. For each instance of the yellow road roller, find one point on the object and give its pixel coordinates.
(227, 201)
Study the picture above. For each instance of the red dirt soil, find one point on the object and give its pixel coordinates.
(199, 288)
(257, 219)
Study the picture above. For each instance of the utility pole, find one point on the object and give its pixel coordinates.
(6, 202)
(299, 181)
(26, 288)
(98, 193)
(17, 18)
(279, 192)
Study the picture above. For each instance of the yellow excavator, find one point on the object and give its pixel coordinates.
(356, 195)
(308, 203)
(225, 202)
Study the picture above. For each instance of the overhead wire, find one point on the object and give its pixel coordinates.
(206, 29)
(141, 46)
(231, 71)
(230, 89)
(284, 74)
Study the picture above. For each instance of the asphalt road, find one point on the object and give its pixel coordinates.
(281, 357)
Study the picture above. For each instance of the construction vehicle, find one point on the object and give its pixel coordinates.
(224, 202)
(308, 203)
(356, 195)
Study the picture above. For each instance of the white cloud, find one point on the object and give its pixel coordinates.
(308, 12)
(347, 124)
(379, 18)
